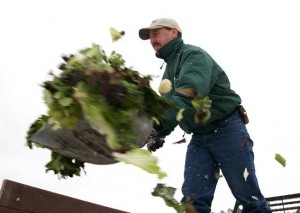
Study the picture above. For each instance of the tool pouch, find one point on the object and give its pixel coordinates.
(243, 114)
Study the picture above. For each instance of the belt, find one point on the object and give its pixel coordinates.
(217, 122)
(213, 126)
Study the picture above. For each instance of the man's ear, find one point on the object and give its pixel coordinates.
(174, 33)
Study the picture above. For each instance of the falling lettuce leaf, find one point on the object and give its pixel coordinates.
(64, 166)
(167, 193)
(218, 175)
(280, 159)
(246, 174)
(115, 34)
(202, 107)
(183, 140)
(34, 127)
(141, 158)
(179, 115)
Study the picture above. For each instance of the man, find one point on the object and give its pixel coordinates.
(220, 143)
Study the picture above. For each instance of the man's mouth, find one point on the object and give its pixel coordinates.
(156, 46)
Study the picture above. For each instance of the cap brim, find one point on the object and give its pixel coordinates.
(144, 33)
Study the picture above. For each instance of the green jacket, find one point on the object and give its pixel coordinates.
(190, 67)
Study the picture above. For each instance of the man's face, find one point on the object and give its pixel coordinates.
(160, 37)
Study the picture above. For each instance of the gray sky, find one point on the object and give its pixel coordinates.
(256, 42)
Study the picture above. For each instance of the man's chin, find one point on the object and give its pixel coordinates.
(157, 48)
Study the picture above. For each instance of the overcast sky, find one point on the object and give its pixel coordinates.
(257, 43)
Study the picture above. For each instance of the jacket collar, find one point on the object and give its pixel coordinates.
(168, 51)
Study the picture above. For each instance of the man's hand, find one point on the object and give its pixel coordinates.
(155, 141)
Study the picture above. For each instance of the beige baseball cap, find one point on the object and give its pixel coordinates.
(158, 23)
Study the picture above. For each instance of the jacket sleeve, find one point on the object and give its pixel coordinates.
(171, 119)
(192, 80)
(196, 73)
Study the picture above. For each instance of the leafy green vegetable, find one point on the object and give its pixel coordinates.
(202, 107)
(102, 90)
(179, 115)
(141, 158)
(280, 159)
(64, 166)
(167, 193)
(34, 127)
(115, 34)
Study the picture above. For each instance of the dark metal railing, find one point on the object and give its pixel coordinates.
(283, 203)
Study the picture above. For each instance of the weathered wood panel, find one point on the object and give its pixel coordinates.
(19, 198)
(8, 210)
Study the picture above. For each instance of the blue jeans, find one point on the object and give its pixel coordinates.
(229, 148)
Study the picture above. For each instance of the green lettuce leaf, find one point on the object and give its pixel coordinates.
(167, 193)
(280, 159)
(141, 158)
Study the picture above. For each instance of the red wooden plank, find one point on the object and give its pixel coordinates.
(26, 198)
